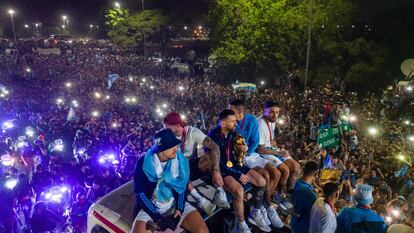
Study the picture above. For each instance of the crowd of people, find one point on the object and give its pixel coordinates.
(68, 139)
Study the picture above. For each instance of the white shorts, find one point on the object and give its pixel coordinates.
(273, 159)
(255, 160)
(144, 217)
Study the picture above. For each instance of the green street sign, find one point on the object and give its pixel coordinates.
(331, 137)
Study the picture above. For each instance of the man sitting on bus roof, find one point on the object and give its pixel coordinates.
(160, 183)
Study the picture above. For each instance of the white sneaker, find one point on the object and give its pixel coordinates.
(274, 217)
(265, 217)
(220, 198)
(206, 206)
(243, 228)
(256, 219)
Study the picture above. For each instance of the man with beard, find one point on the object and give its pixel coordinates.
(235, 175)
(287, 166)
(248, 127)
(192, 138)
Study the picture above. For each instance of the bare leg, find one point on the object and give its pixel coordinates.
(139, 227)
(294, 169)
(232, 186)
(284, 170)
(274, 175)
(194, 223)
(265, 174)
(255, 178)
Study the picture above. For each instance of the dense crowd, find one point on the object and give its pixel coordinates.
(67, 140)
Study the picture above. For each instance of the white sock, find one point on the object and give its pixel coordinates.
(243, 223)
(194, 193)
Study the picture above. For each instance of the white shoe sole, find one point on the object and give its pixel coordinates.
(254, 223)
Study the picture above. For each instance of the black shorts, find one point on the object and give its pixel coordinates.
(195, 173)
(243, 170)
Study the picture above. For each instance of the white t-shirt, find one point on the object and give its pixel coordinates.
(400, 228)
(264, 132)
(193, 141)
(322, 219)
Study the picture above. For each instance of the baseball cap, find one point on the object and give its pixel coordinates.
(165, 139)
(174, 118)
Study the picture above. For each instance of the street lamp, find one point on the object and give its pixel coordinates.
(185, 28)
(36, 32)
(117, 5)
(65, 20)
(11, 12)
(26, 26)
(90, 30)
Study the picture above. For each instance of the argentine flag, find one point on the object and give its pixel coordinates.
(111, 79)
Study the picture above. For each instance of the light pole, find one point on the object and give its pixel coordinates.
(65, 22)
(90, 30)
(11, 12)
(26, 26)
(142, 4)
(36, 25)
(39, 32)
(65, 19)
(309, 45)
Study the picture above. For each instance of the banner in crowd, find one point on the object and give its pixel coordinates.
(330, 137)
(181, 67)
(71, 115)
(244, 86)
(111, 79)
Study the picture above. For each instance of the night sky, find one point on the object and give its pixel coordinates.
(82, 13)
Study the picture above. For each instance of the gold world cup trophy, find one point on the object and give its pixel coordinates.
(238, 149)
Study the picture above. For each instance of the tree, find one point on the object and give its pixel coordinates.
(114, 16)
(356, 61)
(265, 37)
(137, 27)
